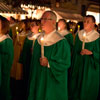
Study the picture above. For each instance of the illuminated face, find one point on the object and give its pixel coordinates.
(34, 27)
(46, 22)
(61, 25)
(88, 24)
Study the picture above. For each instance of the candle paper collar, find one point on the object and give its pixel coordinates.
(90, 36)
(51, 38)
(32, 36)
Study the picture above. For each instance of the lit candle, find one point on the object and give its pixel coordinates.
(78, 28)
(17, 33)
(42, 47)
(16, 28)
(71, 30)
(83, 45)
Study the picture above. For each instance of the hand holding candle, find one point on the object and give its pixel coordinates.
(83, 44)
(42, 47)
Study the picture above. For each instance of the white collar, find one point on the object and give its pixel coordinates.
(51, 38)
(3, 37)
(32, 36)
(64, 32)
(90, 36)
(11, 25)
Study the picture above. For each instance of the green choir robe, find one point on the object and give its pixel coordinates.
(50, 83)
(84, 78)
(6, 59)
(25, 59)
(0, 70)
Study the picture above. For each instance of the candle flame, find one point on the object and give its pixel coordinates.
(16, 28)
(17, 32)
(71, 30)
(34, 37)
(78, 26)
(42, 38)
(84, 35)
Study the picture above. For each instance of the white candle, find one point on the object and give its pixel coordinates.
(83, 44)
(42, 47)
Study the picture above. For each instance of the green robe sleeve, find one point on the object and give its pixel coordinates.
(96, 52)
(60, 59)
(69, 38)
(0, 70)
(26, 52)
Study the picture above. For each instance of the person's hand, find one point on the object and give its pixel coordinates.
(86, 52)
(44, 61)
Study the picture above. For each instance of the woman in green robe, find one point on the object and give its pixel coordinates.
(84, 79)
(62, 29)
(25, 57)
(6, 59)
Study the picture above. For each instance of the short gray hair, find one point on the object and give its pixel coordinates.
(53, 15)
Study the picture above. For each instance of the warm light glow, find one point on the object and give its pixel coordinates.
(71, 30)
(42, 39)
(17, 32)
(34, 37)
(78, 26)
(40, 30)
(84, 35)
(16, 28)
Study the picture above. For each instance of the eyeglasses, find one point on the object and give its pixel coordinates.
(46, 19)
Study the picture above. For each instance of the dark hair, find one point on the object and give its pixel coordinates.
(64, 21)
(5, 26)
(37, 22)
(92, 17)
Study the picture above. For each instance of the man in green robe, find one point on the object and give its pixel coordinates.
(84, 79)
(48, 76)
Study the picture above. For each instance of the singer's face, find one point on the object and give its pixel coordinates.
(61, 25)
(88, 24)
(46, 22)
